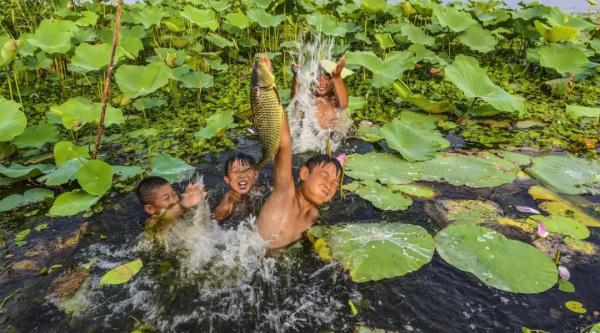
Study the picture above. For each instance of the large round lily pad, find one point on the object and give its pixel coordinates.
(71, 203)
(12, 120)
(373, 251)
(95, 177)
(567, 174)
(561, 225)
(135, 81)
(497, 261)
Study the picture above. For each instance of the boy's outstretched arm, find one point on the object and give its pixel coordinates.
(341, 93)
(282, 171)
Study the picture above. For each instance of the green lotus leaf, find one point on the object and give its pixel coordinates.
(89, 58)
(556, 34)
(414, 190)
(125, 171)
(135, 81)
(31, 196)
(95, 177)
(8, 50)
(422, 53)
(197, 80)
(385, 40)
(376, 251)
(373, 6)
(595, 44)
(148, 16)
(174, 24)
(54, 36)
(561, 225)
(383, 197)
(218, 40)
(564, 59)
(474, 82)
(146, 103)
(264, 4)
(87, 18)
(19, 171)
(121, 274)
(219, 6)
(71, 203)
(171, 168)
(130, 47)
(328, 26)
(264, 19)
(238, 20)
(64, 173)
(386, 168)
(36, 136)
(497, 261)
(355, 103)
(78, 111)
(421, 101)
(595, 328)
(468, 211)
(567, 174)
(416, 35)
(12, 120)
(66, 150)
(384, 71)
(577, 111)
(556, 17)
(478, 39)
(216, 123)
(143, 133)
(203, 18)
(453, 19)
(414, 136)
(369, 133)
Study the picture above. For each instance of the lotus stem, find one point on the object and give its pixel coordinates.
(107, 79)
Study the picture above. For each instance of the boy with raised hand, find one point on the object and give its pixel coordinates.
(163, 204)
(289, 211)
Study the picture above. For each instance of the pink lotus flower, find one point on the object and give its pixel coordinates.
(541, 230)
(525, 209)
(564, 273)
(341, 158)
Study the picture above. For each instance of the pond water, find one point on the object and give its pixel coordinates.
(289, 292)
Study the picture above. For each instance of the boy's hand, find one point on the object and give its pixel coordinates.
(337, 72)
(295, 68)
(232, 197)
(267, 61)
(193, 195)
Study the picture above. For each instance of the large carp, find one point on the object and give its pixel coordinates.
(266, 108)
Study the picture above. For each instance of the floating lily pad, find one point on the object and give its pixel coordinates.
(467, 211)
(576, 112)
(171, 168)
(555, 205)
(576, 307)
(29, 197)
(71, 203)
(135, 81)
(121, 274)
(384, 71)
(561, 225)
(18, 171)
(386, 168)
(497, 261)
(12, 120)
(414, 190)
(126, 171)
(371, 252)
(95, 177)
(381, 196)
(567, 174)
(64, 173)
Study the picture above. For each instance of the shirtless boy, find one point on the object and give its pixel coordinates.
(289, 210)
(330, 93)
(244, 197)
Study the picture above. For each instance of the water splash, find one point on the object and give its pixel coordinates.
(306, 132)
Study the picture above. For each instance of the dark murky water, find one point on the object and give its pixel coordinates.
(293, 292)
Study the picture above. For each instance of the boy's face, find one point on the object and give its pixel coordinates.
(241, 177)
(323, 86)
(163, 197)
(320, 184)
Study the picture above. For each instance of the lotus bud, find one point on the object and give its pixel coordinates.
(365, 123)
(564, 273)
(341, 158)
(541, 230)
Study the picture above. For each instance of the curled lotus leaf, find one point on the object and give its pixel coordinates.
(31, 196)
(416, 35)
(71, 203)
(384, 71)
(122, 273)
(78, 111)
(95, 177)
(238, 19)
(203, 18)
(369, 132)
(478, 39)
(556, 34)
(87, 18)
(376, 251)
(135, 81)
(453, 19)
(567, 174)
(64, 173)
(171, 168)
(8, 50)
(385, 41)
(564, 59)
(263, 18)
(218, 40)
(495, 260)
(561, 225)
(54, 36)
(17, 171)
(420, 100)
(466, 74)
(12, 120)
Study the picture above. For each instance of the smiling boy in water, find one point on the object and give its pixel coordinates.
(289, 211)
(244, 197)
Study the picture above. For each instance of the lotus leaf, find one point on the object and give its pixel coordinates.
(557, 17)
(264, 4)
(8, 50)
(384, 71)
(148, 16)
(88, 18)
(36, 136)
(422, 53)
(328, 26)
(30, 196)
(478, 39)
(218, 40)
(421, 101)
(375, 251)
(54, 36)
(455, 20)
(567, 174)
(369, 133)
(414, 136)
(171, 168)
(474, 82)
(373, 6)
(497, 261)
(265, 19)
(556, 34)
(71, 203)
(576, 112)
(197, 80)
(121, 274)
(468, 211)
(416, 35)
(385, 41)
(125, 172)
(220, 121)
(135, 81)
(561, 225)
(75, 112)
(382, 197)
(65, 173)
(238, 20)
(146, 103)
(556, 205)
(95, 177)
(386, 168)
(355, 103)
(563, 59)
(89, 58)
(595, 44)
(12, 120)
(204, 18)
(18, 171)
(66, 150)
(414, 190)
(143, 132)
(219, 6)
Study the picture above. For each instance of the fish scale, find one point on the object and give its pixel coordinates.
(268, 115)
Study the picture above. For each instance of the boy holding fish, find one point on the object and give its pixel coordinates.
(289, 211)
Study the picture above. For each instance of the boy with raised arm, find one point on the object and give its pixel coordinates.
(289, 211)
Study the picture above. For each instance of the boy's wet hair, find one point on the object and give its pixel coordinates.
(244, 160)
(146, 186)
(323, 160)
